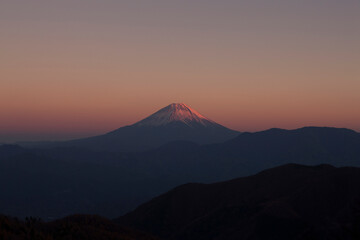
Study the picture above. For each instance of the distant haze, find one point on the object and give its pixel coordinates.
(78, 68)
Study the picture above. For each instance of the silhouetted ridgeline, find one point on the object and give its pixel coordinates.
(54, 183)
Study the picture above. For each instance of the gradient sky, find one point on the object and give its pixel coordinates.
(73, 68)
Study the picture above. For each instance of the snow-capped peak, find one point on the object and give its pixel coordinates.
(175, 112)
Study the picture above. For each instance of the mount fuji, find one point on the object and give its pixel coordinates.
(175, 122)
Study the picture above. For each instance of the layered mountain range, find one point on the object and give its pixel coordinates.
(56, 182)
(289, 202)
(114, 173)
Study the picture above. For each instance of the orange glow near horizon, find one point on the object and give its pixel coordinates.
(69, 70)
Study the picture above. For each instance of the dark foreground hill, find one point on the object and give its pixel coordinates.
(287, 202)
(76, 227)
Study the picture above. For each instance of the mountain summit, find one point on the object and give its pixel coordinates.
(175, 122)
(176, 112)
